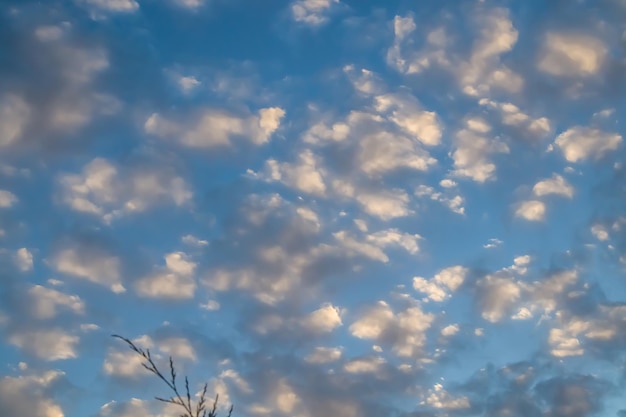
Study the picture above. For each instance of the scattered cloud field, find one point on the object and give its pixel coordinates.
(321, 207)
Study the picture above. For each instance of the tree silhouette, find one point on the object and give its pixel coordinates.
(184, 401)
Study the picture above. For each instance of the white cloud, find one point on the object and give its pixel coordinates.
(24, 260)
(211, 305)
(353, 247)
(108, 191)
(322, 355)
(29, 395)
(564, 342)
(394, 237)
(405, 112)
(191, 240)
(118, 6)
(569, 54)
(178, 347)
(124, 363)
(581, 143)
(484, 71)
(450, 330)
(311, 12)
(439, 398)
(364, 365)
(15, 113)
(386, 204)
(492, 243)
(382, 152)
(7, 199)
(453, 201)
(445, 281)
(188, 83)
(323, 320)
(45, 302)
(214, 128)
(92, 265)
(372, 324)
(555, 185)
(175, 281)
(364, 80)
(49, 344)
(404, 331)
(49, 33)
(190, 4)
(531, 210)
(473, 148)
(304, 175)
(496, 296)
(600, 232)
(511, 115)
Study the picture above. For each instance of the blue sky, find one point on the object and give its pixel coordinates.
(321, 207)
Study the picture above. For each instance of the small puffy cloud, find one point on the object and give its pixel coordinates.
(600, 232)
(556, 185)
(7, 199)
(175, 281)
(91, 264)
(439, 398)
(371, 325)
(113, 6)
(211, 305)
(24, 260)
(531, 210)
(322, 355)
(383, 152)
(513, 116)
(191, 240)
(564, 342)
(450, 330)
(497, 294)
(569, 54)
(406, 113)
(49, 344)
(370, 365)
(45, 302)
(311, 12)
(132, 408)
(187, 83)
(581, 143)
(453, 201)
(189, 4)
(483, 71)
(177, 347)
(15, 114)
(445, 281)
(124, 364)
(473, 148)
(386, 204)
(323, 320)
(405, 331)
(109, 191)
(353, 247)
(394, 237)
(212, 128)
(305, 175)
(49, 33)
(30, 395)
(492, 243)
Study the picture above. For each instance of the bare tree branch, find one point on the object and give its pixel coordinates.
(186, 403)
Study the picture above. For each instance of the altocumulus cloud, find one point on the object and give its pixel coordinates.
(320, 207)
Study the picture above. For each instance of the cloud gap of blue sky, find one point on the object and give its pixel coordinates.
(321, 207)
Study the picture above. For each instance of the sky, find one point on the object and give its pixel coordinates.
(319, 207)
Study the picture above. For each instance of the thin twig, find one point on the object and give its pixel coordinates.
(177, 399)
